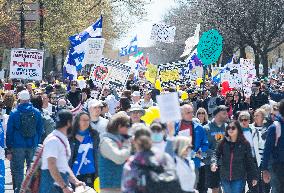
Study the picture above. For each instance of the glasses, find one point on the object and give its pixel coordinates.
(201, 113)
(73, 84)
(189, 112)
(231, 128)
(85, 120)
(243, 120)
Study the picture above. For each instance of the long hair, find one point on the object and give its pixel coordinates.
(241, 138)
(76, 125)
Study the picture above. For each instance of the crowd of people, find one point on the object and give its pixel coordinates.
(222, 142)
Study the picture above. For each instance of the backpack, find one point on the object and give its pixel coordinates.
(155, 179)
(28, 124)
(48, 125)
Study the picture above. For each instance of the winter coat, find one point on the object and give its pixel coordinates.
(258, 100)
(274, 145)
(235, 160)
(14, 137)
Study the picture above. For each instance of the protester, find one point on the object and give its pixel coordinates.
(136, 98)
(273, 155)
(202, 116)
(259, 133)
(56, 174)
(214, 100)
(258, 98)
(74, 95)
(187, 127)
(2, 158)
(235, 161)
(97, 122)
(158, 136)
(47, 105)
(238, 103)
(147, 101)
(215, 134)
(136, 178)
(135, 113)
(105, 111)
(185, 167)
(24, 132)
(114, 151)
(84, 143)
(8, 102)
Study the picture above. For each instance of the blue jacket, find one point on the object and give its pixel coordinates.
(199, 138)
(14, 138)
(276, 96)
(273, 153)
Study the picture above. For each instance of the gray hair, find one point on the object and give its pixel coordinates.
(244, 114)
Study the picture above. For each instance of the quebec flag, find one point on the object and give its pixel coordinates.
(131, 48)
(78, 44)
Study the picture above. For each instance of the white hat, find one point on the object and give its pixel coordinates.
(24, 95)
(136, 93)
(94, 103)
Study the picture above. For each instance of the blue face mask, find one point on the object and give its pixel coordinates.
(157, 137)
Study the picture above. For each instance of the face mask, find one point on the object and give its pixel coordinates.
(157, 137)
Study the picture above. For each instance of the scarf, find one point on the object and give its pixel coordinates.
(85, 163)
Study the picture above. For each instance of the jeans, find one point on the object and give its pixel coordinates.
(19, 157)
(47, 182)
(277, 177)
(2, 176)
(234, 186)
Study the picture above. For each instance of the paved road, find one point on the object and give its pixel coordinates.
(8, 179)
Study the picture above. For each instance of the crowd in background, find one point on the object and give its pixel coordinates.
(224, 140)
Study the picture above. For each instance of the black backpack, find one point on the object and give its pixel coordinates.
(155, 179)
(28, 123)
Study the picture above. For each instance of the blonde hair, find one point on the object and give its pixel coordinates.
(261, 111)
(180, 144)
(202, 110)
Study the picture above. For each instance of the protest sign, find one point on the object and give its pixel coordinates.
(234, 76)
(248, 74)
(210, 47)
(118, 75)
(99, 72)
(163, 33)
(169, 111)
(94, 51)
(110, 72)
(26, 64)
(173, 73)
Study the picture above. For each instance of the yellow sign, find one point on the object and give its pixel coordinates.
(169, 75)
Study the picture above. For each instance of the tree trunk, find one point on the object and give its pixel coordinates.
(264, 61)
(257, 62)
(243, 51)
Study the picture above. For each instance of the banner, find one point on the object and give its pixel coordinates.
(173, 73)
(110, 72)
(26, 64)
(94, 51)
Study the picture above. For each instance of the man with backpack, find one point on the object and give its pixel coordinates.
(24, 131)
(274, 153)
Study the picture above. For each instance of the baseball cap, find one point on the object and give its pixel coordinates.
(136, 93)
(24, 95)
(219, 109)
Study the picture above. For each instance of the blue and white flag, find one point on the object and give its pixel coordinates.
(78, 44)
(131, 48)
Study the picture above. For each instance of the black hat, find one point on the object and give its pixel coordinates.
(219, 109)
(257, 83)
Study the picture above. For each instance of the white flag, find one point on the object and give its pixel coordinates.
(191, 42)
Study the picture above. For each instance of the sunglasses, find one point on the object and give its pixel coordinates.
(243, 120)
(231, 128)
(201, 113)
(73, 84)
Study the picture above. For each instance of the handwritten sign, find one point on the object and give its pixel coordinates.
(169, 111)
(94, 51)
(26, 64)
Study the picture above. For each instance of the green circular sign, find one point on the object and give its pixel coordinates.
(210, 47)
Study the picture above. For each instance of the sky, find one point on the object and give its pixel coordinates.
(156, 9)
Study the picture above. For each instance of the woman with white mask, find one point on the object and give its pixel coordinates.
(158, 136)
